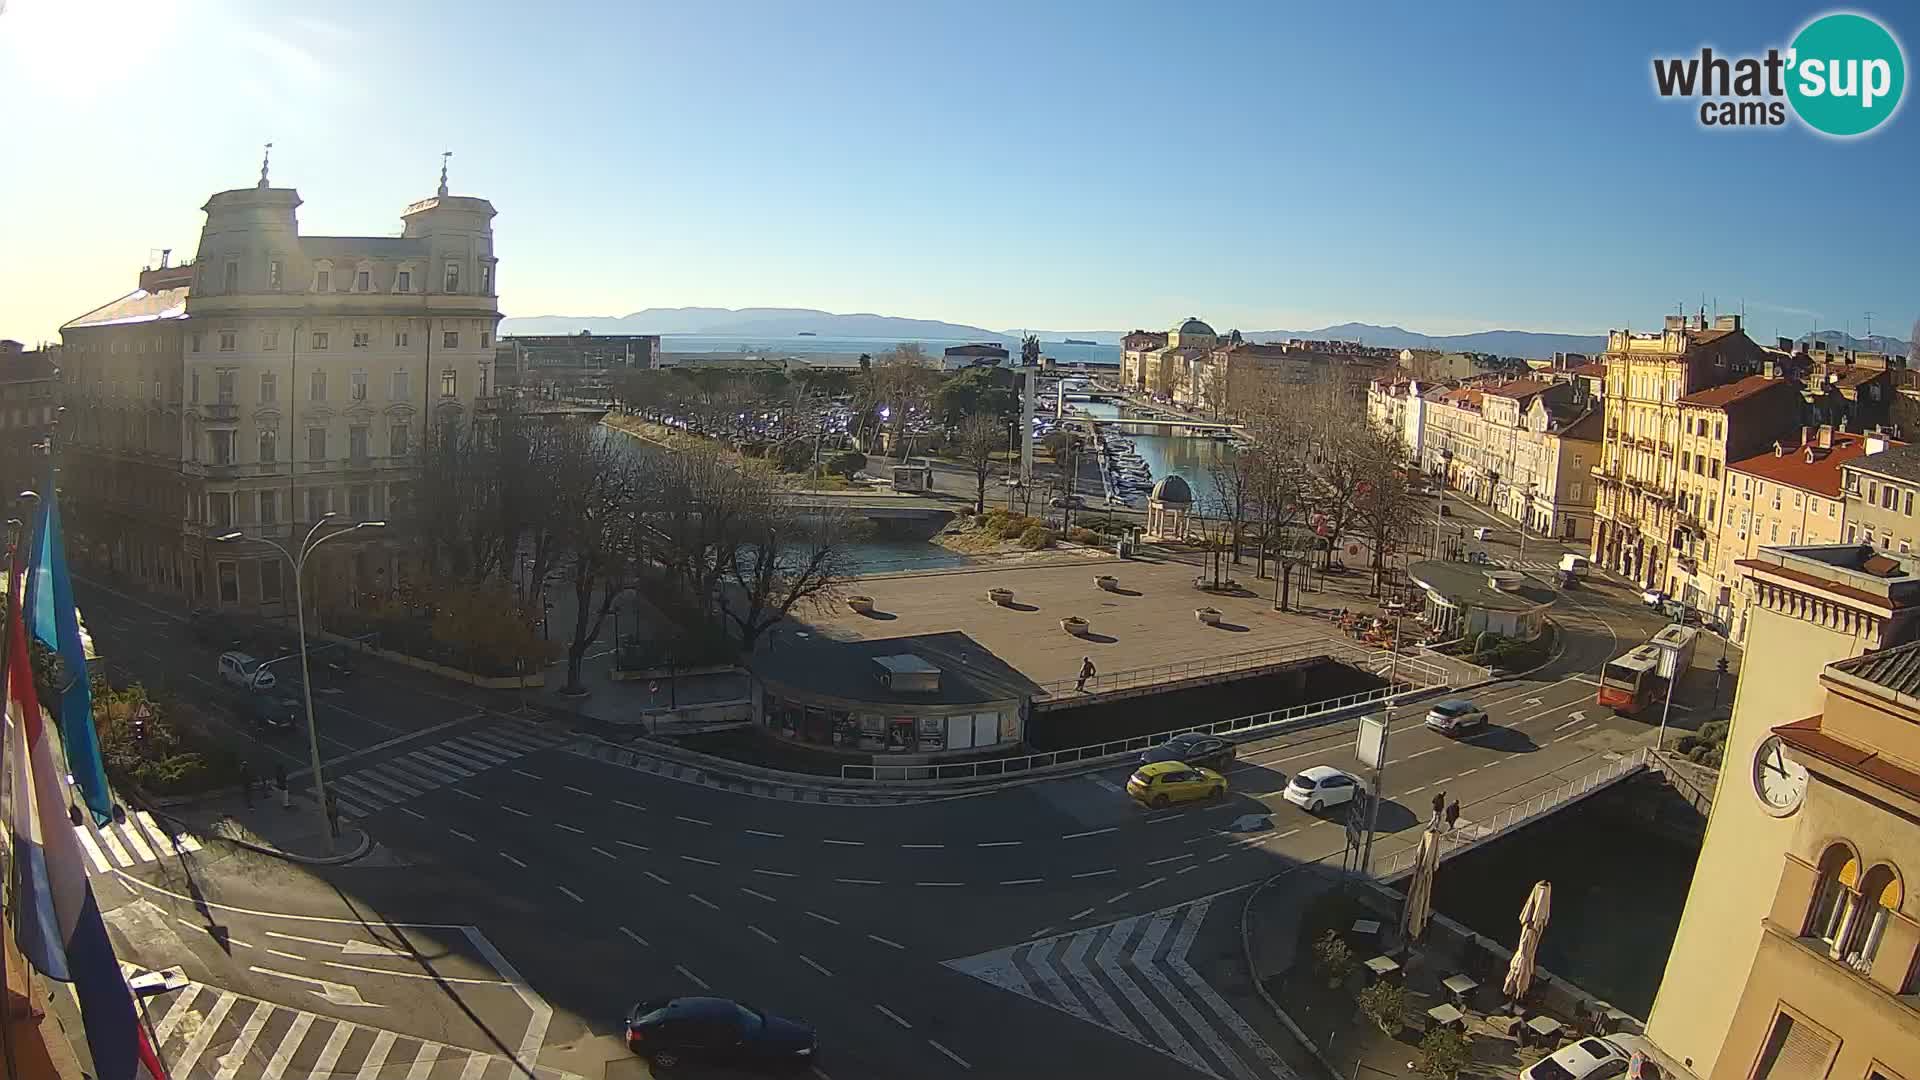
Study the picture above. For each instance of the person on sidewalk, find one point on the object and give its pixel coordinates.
(1086, 672)
(246, 785)
(280, 781)
(333, 815)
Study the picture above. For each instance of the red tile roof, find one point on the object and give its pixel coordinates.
(1719, 397)
(1520, 389)
(1807, 737)
(1596, 369)
(1791, 469)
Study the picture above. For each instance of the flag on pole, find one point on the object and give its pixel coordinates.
(56, 622)
(56, 919)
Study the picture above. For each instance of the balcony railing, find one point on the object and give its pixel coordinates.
(225, 412)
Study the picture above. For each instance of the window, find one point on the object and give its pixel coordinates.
(269, 387)
(223, 385)
(397, 389)
(1853, 533)
(450, 339)
(359, 502)
(1714, 469)
(400, 339)
(449, 383)
(453, 278)
(319, 339)
(269, 581)
(323, 281)
(233, 276)
(362, 281)
(404, 283)
(316, 503)
(229, 576)
(220, 509)
(362, 339)
(270, 341)
(317, 386)
(193, 388)
(357, 385)
(1888, 496)
(398, 439)
(227, 340)
(196, 342)
(270, 508)
(316, 444)
(273, 274)
(269, 445)
(486, 339)
(1909, 504)
(1773, 533)
(220, 443)
(357, 442)
(1797, 500)
(486, 280)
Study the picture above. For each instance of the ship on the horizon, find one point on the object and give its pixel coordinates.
(1077, 341)
(805, 333)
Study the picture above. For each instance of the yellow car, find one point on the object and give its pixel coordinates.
(1164, 783)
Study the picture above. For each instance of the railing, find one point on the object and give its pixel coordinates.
(1118, 748)
(221, 412)
(1475, 833)
(1209, 665)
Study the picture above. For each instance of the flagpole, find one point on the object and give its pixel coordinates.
(14, 585)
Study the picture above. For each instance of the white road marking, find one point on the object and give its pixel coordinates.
(1090, 832)
(605, 852)
(1475, 769)
(1095, 873)
(1568, 735)
(815, 966)
(1187, 870)
(1220, 856)
(1424, 753)
(1288, 833)
(703, 901)
(100, 864)
(690, 820)
(939, 884)
(628, 805)
(701, 861)
(132, 833)
(569, 828)
(828, 919)
(290, 1044)
(757, 895)
(923, 847)
(188, 1058)
(528, 775)
(884, 941)
(1170, 858)
(999, 843)
(634, 846)
(657, 877)
(768, 835)
(1082, 915)
(476, 1066)
(287, 955)
(1151, 884)
(578, 790)
(115, 848)
(1446, 779)
(322, 942)
(695, 979)
(1418, 790)
(893, 1016)
(772, 873)
(844, 843)
(515, 810)
(1568, 724)
(513, 860)
(1117, 897)
(858, 881)
(1022, 881)
(636, 937)
(571, 895)
(376, 1059)
(951, 1056)
(763, 935)
(410, 813)
(463, 794)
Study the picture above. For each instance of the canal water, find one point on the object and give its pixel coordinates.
(1185, 456)
(1618, 891)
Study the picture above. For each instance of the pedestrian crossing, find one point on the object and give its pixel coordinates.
(396, 780)
(1132, 978)
(1532, 566)
(138, 839)
(202, 1032)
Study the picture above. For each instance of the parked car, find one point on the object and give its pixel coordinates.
(239, 669)
(1595, 1058)
(1483, 533)
(1579, 565)
(274, 713)
(671, 1031)
(1193, 748)
(1322, 786)
(1164, 783)
(1456, 717)
(1653, 598)
(1068, 502)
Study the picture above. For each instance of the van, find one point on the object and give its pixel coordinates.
(239, 669)
(1577, 565)
(1483, 533)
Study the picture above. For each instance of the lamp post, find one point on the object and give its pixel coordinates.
(1526, 511)
(299, 563)
(1446, 467)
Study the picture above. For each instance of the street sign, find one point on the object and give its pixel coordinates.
(1356, 823)
(1371, 745)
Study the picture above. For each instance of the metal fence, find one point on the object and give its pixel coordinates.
(1119, 748)
(1475, 833)
(1370, 659)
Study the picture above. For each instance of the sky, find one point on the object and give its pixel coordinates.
(1064, 165)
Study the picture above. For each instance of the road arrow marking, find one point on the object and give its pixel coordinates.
(335, 993)
(368, 948)
(1534, 701)
(1577, 714)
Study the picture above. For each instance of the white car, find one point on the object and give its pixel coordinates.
(1596, 1058)
(239, 669)
(1322, 786)
(1456, 717)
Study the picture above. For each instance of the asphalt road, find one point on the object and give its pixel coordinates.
(1039, 930)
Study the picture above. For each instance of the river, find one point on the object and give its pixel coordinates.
(1185, 456)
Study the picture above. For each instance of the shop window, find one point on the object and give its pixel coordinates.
(933, 733)
(900, 734)
(873, 732)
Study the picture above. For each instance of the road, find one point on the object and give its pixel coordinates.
(1038, 930)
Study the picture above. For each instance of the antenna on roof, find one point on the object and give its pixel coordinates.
(1869, 324)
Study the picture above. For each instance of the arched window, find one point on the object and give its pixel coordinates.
(1880, 896)
(1833, 898)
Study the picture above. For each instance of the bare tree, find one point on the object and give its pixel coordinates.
(691, 516)
(976, 439)
(1230, 476)
(787, 557)
(595, 484)
(1385, 508)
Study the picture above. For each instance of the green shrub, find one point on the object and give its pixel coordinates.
(1080, 534)
(1385, 1004)
(846, 463)
(1444, 1054)
(1036, 537)
(794, 455)
(1333, 959)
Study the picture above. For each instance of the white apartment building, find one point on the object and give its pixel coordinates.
(275, 379)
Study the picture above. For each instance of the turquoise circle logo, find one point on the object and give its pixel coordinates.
(1847, 74)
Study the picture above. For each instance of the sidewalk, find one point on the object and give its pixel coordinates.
(295, 834)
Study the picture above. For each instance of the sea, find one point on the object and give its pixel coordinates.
(849, 349)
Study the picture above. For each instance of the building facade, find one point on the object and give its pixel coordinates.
(570, 363)
(28, 397)
(1636, 509)
(1811, 606)
(276, 379)
(1880, 489)
(1524, 448)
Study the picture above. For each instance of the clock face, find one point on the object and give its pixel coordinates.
(1780, 781)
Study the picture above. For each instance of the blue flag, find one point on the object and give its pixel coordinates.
(56, 623)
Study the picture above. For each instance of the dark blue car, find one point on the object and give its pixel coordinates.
(671, 1031)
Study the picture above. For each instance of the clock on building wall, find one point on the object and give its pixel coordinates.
(1780, 781)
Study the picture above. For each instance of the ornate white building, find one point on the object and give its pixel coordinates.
(275, 378)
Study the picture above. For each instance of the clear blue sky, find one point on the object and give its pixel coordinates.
(1093, 165)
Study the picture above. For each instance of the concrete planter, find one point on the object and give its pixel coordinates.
(1075, 625)
(1106, 583)
(1207, 615)
(1003, 597)
(861, 604)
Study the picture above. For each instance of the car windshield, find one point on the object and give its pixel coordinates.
(1304, 783)
(1550, 1069)
(750, 1021)
(1453, 708)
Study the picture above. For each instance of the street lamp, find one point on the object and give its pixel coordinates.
(299, 564)
(1446, 467)
(1526, 511)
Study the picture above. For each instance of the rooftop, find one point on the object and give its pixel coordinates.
(969, 674)
(1520, 389)
(1792, 468)
(137, 306)
(1878, 579)
(1900, 461)
(1739, 390)
(1896, 669)
(1468, 585)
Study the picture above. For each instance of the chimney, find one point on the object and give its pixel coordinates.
(165, 254)
(1785, 345)
(1806, 435)
(1876, 443)
(1770, 370)
(1826, 436)
(1779, 450)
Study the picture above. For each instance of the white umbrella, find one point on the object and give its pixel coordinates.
(1533, 923)
(1419, 908)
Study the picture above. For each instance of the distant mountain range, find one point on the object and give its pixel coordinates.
(788, 322)
(1875, 343)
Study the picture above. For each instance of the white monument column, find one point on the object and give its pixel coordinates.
(1029, 386)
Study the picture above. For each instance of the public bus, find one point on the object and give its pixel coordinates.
(1629, 683)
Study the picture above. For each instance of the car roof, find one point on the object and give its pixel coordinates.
(1160, 767)
(1458, 704)
(1191, 737)
(1580, 1060)
(1320, 772)
(237, 655)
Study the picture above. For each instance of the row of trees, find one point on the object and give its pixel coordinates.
(1310, 474)
(532, 503)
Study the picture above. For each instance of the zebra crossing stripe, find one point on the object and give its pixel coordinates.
(444, 760)
(92, 848)
(378, 789)
(1102, 1001)
(176, 1014)
(377, 1057)
(289, 1045)
(130, 828)
(476, 748)
(422, 772)
(476, 1067)
(1150, 942)
(424, 1061)
(114, 848)
(209, 1027)
(388, 780)
(242, 1046)
(1122, 959)
(330, 1053)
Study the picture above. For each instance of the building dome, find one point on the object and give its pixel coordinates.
(1195, 326)
(1173, 491)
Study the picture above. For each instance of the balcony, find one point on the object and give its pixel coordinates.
(233, 470)
(221, 412)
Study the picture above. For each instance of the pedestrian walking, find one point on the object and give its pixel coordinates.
(333, 815)
(280, 781)
(1086, 672)
(246, 785)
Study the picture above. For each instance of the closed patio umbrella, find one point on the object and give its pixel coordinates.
(1419, 907)
(1533, 923)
